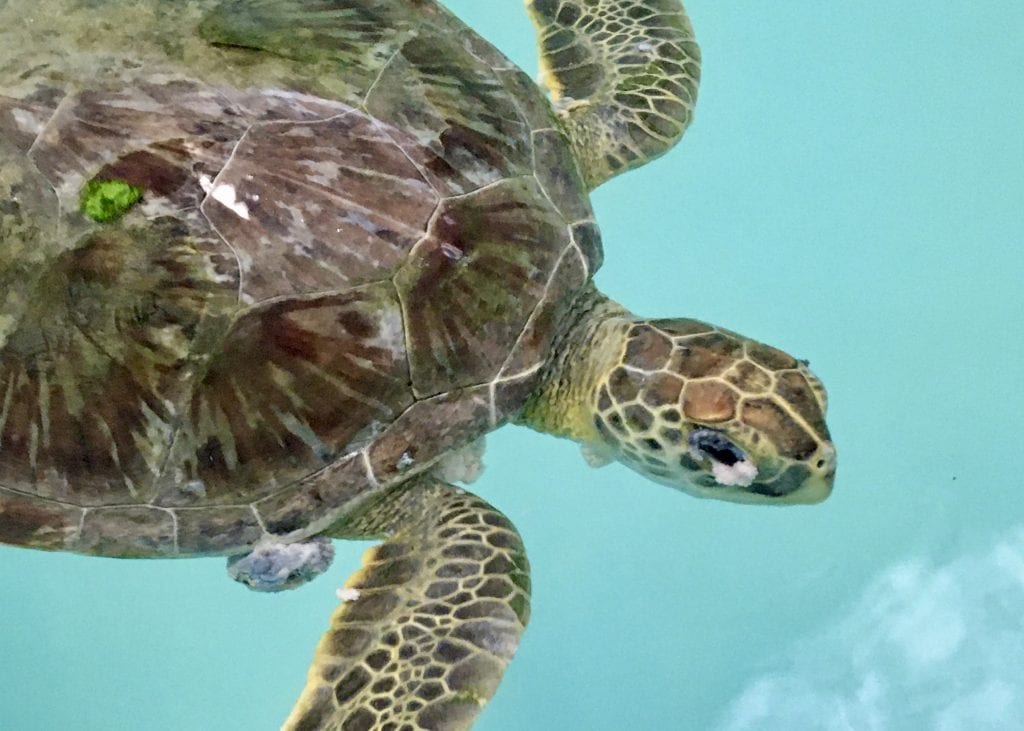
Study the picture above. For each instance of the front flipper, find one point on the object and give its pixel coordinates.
(429, 623)
(624, 74)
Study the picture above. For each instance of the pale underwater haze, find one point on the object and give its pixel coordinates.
(852, 191)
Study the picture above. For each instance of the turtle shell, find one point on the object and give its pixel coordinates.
(260, 260)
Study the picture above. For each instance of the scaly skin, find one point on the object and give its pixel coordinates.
(430, 622)
(624, 74)
(646, 392)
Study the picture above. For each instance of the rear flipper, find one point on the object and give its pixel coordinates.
(429, 623)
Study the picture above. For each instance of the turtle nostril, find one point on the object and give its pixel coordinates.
(826, 463)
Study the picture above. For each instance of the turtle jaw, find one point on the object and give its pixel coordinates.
(818, 486)
(760, 479)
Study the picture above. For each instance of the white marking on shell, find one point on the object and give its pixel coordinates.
(225, 195)
(452, 252)
(368, 467)
(26, 121)
(405, 461)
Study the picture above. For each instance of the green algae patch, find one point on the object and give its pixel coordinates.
(107, 200)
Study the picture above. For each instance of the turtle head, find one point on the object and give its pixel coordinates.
(712, 413)
(686, 404)
(696, 407)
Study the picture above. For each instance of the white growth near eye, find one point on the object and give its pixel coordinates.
(347, 594)
(741, 473)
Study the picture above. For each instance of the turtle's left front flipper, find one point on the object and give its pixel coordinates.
(428, 624)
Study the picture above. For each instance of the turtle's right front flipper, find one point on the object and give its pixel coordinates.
(623, 72)
(429, 623)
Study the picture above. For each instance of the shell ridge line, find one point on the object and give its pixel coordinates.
(587, 274)
(380, 74)
(405, 324)
(318, 188)
(385, 130)
(486, 187)
(371, 475)
(259, 519)
(81, 524)
(533, 313)
(213, 226)
(514, 99)
(64, 100)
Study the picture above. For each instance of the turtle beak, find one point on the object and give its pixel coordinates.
(818, 485)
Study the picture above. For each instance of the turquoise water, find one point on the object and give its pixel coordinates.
(851, 191)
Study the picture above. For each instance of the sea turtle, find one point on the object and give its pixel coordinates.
(272, 268)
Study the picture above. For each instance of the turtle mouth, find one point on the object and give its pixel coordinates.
(729, 465)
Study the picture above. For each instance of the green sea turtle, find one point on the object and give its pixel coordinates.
(272, 268)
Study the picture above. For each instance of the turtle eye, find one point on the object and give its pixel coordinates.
(713, 444)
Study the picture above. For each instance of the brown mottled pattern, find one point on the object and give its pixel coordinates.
(428, 428)
(468, 130)
(29, 224)
(128, 531)
(183, 120)
(31, 521)
(469, 288)
(677, 326)
(201, 531)
(557, 171)
(313, 218)
(290, 389)
(662, 389)
(796, 388)
(288, 151)
(771, 358)
(351, 39)
(625, 384)
(120, 315)
(537, 337)
(22, 119)
(510, 393)
(747, 376)
(705, 355)
(648, 348)
(330, 491)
